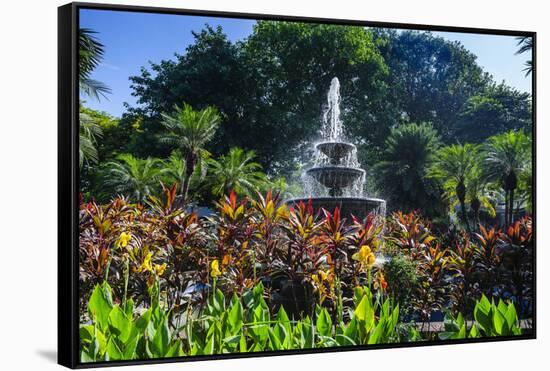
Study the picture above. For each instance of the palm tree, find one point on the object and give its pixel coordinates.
(90, 54)
(409, 152)
(478, 193)
(89, 132)
(525, 44)
(507, 156)
(189, 131)
(453, 166)
(131, 176)
(237, 172)
(174, 169)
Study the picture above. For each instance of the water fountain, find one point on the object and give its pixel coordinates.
(336, 178)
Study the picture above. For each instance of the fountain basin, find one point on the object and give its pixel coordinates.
(359, 207)
(335, 151)
(335, 176)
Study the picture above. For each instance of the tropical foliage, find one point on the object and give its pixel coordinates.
(263, 276)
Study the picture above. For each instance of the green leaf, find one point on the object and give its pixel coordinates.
(235, 318)
(324, 323)
(344, 340)
(499, 322)
(141, 323)
(161, 340)
(376, 336)
(284, 321)
(130, 346)
(242, 344)
(482, 314)
(274, 341)
(129, 308)
(259, 329)
(474, 332)
(283, 331)
(364, 313)
(174, 350)
(309, 333)
(511, 316)
(86, 334)
(351, 329)
(219, 301)
(114, 351)
(119, 324)
(100, 304)
(85, 357)
(209, 347)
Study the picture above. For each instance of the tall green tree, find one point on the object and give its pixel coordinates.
(188, 131)
(293, 65)
(132, 177)
(409, 153)
(507, 156)
(498, 109)
(453, 166)
(431, 78)
(237, 171)
(209, 72)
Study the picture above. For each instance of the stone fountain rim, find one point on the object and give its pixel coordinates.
(335, 141)
(328, 198)
(335, 167)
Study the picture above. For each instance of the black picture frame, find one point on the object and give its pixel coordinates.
(68, 177)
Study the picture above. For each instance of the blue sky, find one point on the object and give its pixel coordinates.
(133, 39)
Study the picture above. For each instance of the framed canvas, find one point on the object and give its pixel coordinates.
(237, 185)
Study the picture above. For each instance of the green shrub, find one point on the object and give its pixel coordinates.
(401, 274)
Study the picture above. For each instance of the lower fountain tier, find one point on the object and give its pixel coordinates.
(335, 176)
(359, 207)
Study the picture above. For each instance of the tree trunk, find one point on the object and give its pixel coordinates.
(510, 184)
(461, 194)
(476, 205)
(511, 207)
(506, 206)
(190, 162)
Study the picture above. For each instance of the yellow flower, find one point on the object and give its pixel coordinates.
(315, 278)
(324, 275)
(123, 239)
(159, 269)
(364, 256)
(146, 265)
(215, 269)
